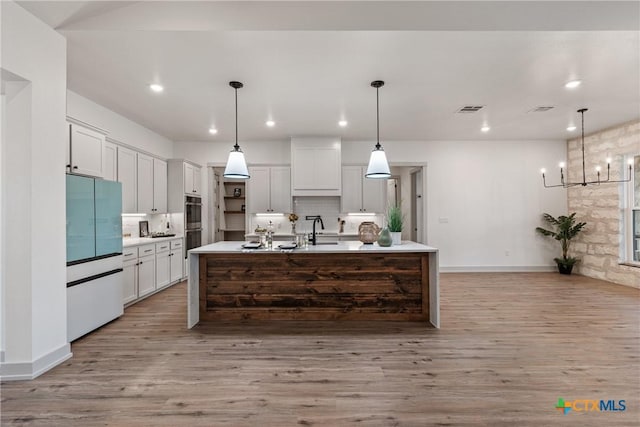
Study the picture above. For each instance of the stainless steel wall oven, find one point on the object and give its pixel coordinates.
(193, 223)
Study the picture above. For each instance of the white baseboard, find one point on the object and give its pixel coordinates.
(31, 370)
(499, 269)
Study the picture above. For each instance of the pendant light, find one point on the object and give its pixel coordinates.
(378, 165)
(236, 164)
(584, 181)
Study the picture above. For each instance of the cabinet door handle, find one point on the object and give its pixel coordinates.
(75, 167)
(140, 263)
(68, 166)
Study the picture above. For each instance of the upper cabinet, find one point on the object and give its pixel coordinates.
(127, 175)
(110, 162)
(360, 194)
(86, 151)
(316, 167)
(269, 189)
(192, 182)
(184, 179)
(152, 185)
(144, 182)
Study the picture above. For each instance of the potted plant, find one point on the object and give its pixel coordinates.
(394, 222)
(566, 228)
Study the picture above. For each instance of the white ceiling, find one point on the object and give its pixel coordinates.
(308, 64)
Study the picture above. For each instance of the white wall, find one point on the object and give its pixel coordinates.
(118, 127)
(33, 196)
(489, 193)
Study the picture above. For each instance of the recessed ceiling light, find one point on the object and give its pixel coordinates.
(213, 131)
(343, 123)
(572, 84)
(156, 87)
(270, 123)
(571, 128)
(485, 128)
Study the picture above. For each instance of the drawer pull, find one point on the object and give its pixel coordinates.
(148, 250)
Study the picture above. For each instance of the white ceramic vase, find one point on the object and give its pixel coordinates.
(396, 238)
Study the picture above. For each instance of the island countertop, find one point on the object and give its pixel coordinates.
(344, 281)
(339, 247)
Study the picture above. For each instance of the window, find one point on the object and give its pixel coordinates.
(632, 215)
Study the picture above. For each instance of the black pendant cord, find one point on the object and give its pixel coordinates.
(378, 146)
(236, 147)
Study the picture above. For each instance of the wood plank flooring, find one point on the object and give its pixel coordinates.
(509, 347)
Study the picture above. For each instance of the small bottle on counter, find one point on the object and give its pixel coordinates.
(270, 235)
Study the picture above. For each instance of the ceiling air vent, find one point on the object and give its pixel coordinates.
(540, 109)
(470, 109)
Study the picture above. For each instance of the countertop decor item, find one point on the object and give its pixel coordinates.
(143, 228)
(293, 218)
(236, 164)
(378, 164)
(395, 220)
(566, 228)
(584, 182)
(368, 232)
(384, 239)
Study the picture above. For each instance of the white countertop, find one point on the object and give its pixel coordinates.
(328, 234)
(128, 242)
(341, 247)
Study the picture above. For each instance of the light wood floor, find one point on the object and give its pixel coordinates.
(509, 347)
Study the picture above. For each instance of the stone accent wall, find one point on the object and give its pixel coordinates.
(599, 248)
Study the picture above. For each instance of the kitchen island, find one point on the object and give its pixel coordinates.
(343, 281)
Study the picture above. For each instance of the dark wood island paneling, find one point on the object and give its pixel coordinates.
(314, 286)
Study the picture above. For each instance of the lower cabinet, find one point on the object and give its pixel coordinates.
(151, 267)
(163, 264)
(176, 256)
(146, 275)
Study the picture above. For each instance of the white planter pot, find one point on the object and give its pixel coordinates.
(396, 237)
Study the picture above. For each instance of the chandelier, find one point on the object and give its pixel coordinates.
(584, 181)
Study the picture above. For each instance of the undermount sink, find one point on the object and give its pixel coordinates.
(326, 243)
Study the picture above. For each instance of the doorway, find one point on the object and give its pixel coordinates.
(417, 205)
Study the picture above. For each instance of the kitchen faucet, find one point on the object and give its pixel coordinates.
(315, 219)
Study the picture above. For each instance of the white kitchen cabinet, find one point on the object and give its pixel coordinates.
(177, 257)
(127, 176)
(360, 194)
(316, 167)
(269, 189)
(152, 185)
(163, 264)
(110, 162)
(192, 182)
(145, 183)
(86, 148)
(160, 186)
(130, 279)
(130, 285)
(146, 269)
(149, 268)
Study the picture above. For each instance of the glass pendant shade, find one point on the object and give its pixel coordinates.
(378, 165)
(236, 166)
